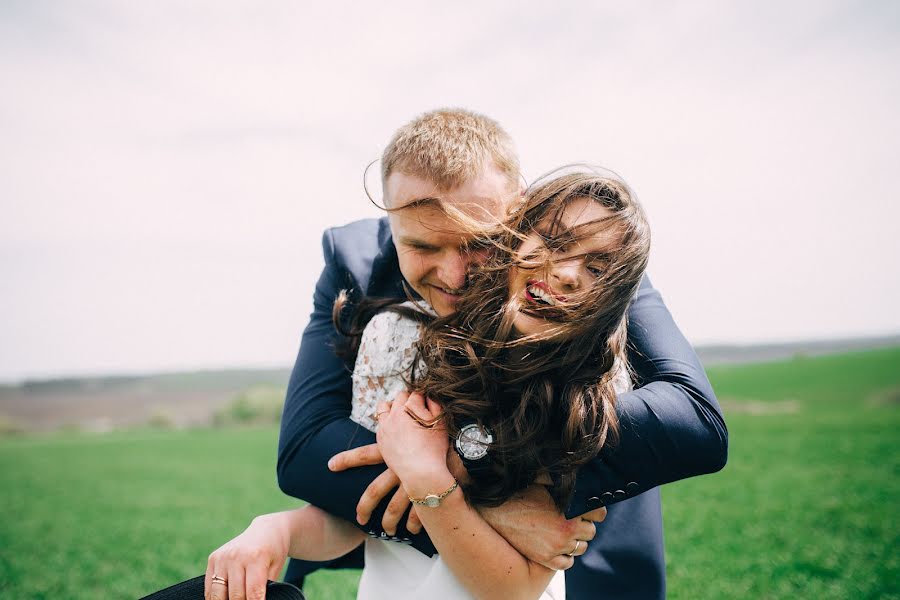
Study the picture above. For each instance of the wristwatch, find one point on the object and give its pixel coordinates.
(472, 445)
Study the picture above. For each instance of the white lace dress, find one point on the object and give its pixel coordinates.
(394, 570)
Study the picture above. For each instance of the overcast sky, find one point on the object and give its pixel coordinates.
(167, 168)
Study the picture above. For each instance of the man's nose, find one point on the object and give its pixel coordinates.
(454, 269)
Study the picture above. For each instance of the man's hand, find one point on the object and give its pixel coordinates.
(533, 525)
(377, 490)
(242, 566)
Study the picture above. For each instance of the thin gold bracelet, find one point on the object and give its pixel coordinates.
(434, 500)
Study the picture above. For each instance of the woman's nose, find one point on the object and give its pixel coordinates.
(564, 275)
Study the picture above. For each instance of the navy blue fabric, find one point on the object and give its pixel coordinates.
(671, 427)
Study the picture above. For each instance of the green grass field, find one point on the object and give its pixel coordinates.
(803, 509)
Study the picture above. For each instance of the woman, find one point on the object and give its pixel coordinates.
(526, 371)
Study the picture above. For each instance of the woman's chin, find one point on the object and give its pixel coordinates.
(526, 325)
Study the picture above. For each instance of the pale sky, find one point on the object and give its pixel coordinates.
(167, 168)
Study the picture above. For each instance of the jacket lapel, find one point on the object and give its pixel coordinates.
(386, 280)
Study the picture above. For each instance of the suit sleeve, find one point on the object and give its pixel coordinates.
(670, 427)
(315, 424)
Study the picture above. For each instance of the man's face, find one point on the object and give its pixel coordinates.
(430, 244)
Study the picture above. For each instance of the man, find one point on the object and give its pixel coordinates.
(671, 425)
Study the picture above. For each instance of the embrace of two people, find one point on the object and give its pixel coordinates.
(487, 374)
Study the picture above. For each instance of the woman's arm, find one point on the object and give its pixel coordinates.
(485, 563)
(259, 553)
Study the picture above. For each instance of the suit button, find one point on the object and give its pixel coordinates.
(619, 494)
(632, 488)
(594, 502)
(606, 497)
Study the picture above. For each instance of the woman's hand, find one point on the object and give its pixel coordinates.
(413, 440)
(249, 560)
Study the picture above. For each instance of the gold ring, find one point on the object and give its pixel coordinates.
(378, 414)
(422, 422)
(217, 579)
(574, 550)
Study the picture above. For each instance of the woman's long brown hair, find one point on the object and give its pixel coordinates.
(547, 398)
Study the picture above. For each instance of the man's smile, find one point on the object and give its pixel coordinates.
(451, 295)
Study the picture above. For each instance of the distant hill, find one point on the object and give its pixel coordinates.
(103, 403)
(725, 354)
(222, 379)
(192, 398)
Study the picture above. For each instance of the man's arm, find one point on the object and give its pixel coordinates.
(670, 427)
(315, 424)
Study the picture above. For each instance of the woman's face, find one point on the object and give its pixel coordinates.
(561, 276)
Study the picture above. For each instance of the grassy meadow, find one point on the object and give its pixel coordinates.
(803, 509)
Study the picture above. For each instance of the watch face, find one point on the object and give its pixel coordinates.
(432, 501)
(473, 441)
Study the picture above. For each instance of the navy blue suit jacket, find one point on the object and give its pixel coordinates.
(671, 426)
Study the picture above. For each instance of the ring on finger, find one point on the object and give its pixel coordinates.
(217, 579)
(422, 422)
(378, 414)
(575, 549)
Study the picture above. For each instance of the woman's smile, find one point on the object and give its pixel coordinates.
(542, 302)
(539, 292)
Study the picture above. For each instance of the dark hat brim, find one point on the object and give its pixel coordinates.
(192, 589)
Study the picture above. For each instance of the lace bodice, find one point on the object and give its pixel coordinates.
(386, 354)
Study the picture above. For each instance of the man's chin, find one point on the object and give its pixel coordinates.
(442, 302)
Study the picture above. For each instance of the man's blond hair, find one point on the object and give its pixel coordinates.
(449, 146)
